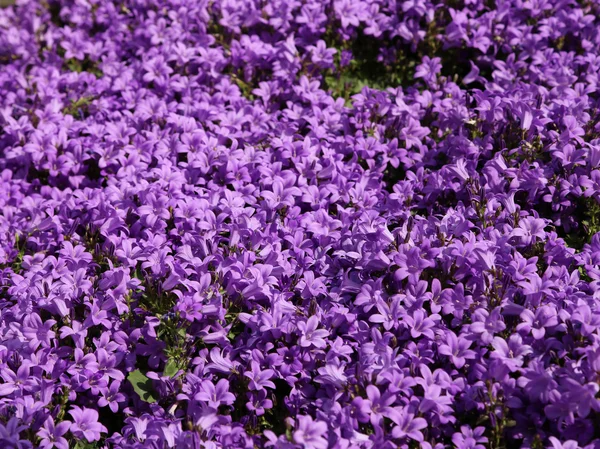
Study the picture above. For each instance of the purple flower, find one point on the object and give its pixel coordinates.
(112, 397)
(457, 348)
(310, 434)
(380, 405)
(536, 323)
(538, 383)
(52, 436)
(510, 353)
(486, 324)
(469, 438)
(407, 425)
(85, 424)
(37, 332)
(569, 444)
(584, 396)
(10, 435)
(428, 69)
(332, 375)
(310, 335)
(259, 378)
(530, 228)
(321, 55)
(219, 362)
(420, 324)
(371, 220)
(410, 264)
(389, 314)
(258, 402)
(215, 395)
(359, 409)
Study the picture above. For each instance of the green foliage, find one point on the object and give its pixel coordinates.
(396, 64)
(237, 327)
(142, 386)
(171, 368)
(587, 214)
(81, 444)
(178, 348)
(152, 299)
(61, 400)
(20, 243)
(53, 8)
(245, 88)
(75, 65)
(273, 418)
(583, 275)
(497, 420)
(365, 69)
(7, 3)
(592, 219)
(79, 106)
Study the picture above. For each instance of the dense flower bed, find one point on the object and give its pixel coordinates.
(299, 224)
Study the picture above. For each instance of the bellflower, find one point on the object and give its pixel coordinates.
(310, 434)
(85, 423)
(299, 224)
(52, 435)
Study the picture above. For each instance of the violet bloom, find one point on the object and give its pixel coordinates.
(407, 425)
(311, 336)
(389, 313)
(359, 409)
(421, 324)
(428, 69)
(510, 353)
(220, 363)
(457, 348)
(140, 426)
(85, 424)
(380, 404)
(529, 230)
(536, 323)
(414, 133)
(37, 332)
(112, 397)
(569, 444)
(215, 395)
(583, 396)
(538, 383)
(410, 265)
(155, 211)
(10, 437)
(332, 375)
(260, 378)
(572, 130)
(230, 184)
(321, 55)
(52, 436)
(259, 402)
(469, 438)
(310, 434)
(486, 324)
(291, 363)
(586, 320)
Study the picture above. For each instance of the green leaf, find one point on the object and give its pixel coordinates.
(142, 385)
(7, 3)
(85, 445)
(171, 369)
(510, 423)
(80, 104)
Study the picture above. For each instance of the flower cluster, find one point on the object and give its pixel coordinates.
(299, 224)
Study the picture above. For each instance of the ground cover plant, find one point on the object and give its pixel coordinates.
(299, 224)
